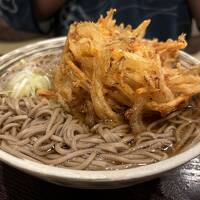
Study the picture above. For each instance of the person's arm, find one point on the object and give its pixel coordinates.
(23, 18)
(7, 33)
(44, 9)
(195, 10)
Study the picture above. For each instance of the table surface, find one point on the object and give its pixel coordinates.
(6, 46)
(182, 183)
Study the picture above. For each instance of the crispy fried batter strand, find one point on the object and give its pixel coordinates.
(122, 74)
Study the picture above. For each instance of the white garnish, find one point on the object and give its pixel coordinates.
(27, 82)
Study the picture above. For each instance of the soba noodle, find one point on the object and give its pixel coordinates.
(42, 131)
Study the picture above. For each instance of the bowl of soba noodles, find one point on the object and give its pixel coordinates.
(100, 108)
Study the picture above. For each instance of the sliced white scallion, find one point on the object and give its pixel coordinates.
(27, 81)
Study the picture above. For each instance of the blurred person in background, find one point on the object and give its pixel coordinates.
(169, 18)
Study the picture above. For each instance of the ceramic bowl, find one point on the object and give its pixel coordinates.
(87, 179)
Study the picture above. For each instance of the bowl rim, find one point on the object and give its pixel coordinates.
(95, 176)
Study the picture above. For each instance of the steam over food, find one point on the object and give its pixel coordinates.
(114, 101)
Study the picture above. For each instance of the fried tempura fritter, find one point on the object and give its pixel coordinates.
(121, 73)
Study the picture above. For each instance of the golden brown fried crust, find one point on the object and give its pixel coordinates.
(166, 108)
(115, 65)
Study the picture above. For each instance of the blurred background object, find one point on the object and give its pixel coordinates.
(194, 42)
(19, 38)
(23, 22)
